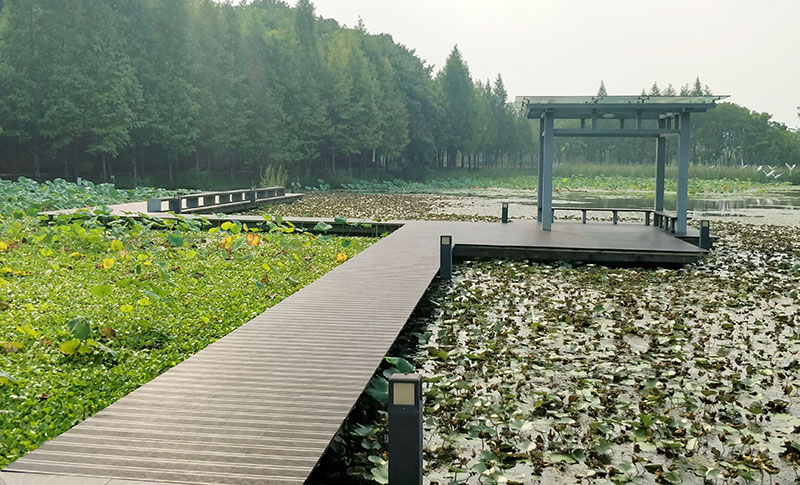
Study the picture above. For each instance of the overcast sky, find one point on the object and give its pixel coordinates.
(746, 48)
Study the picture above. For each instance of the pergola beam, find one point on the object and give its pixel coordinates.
(625, 132)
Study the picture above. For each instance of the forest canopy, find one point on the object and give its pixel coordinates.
(143, 87)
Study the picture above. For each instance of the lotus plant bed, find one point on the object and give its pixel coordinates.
(559, 375)
(90, 309)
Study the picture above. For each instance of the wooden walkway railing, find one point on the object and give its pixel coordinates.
(219, 201)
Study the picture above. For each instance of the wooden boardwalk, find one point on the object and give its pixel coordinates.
(260, 405)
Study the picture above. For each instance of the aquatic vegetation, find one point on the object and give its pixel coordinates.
(560, 374)
(91, 309)
(566, 178)
(28, 196)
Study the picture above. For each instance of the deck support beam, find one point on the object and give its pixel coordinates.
(546, 179)
(661, 162)
(682, 207)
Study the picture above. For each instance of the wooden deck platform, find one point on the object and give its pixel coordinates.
(260, 405)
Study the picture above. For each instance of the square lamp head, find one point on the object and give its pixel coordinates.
(505, 205)
(405, 389)
(446, 240)
(705, 223)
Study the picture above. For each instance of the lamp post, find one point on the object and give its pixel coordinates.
(446, 257)
(405, 429)
(504, 214)
(705, 234)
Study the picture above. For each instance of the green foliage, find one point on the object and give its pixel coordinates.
(29, 197)
(112, 306)
(570, 177)
(617, 375)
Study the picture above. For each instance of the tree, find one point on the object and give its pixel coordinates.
(168, 112)
(697, 90)
(654, 90)
(459, 105)
(352, 99)
(669, 91)
(601, 91)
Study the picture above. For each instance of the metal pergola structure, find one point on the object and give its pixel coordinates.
(646, 116)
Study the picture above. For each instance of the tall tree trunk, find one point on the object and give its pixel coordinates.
(171, 177)
(333, 162)
(135, 172)
(105, 168)
(66, 166)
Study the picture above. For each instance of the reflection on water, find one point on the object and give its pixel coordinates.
(788, 200)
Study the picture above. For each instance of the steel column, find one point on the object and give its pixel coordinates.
(539, 173)
(682, 207)
(547, 172)
(661, 162)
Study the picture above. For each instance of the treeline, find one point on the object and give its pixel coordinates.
(99, 87)
(727, 135)
(169, 88)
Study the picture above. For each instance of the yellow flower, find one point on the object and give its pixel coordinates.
(3, 246)
(253, 239)
(108, 263)
(76, 254)
(341, 257)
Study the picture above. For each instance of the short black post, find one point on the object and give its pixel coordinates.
(647, 218)
(615, 216)
(175, 205)
(446, 259)
(705, 234)
(504, 213)
(405, 429)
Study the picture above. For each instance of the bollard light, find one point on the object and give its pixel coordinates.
(446, 257)
(405, 429)
(705, 234)
(79, 181)
(504, 217)
(113, 180)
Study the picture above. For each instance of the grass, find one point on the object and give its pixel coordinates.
(570, 177)
(89, 311)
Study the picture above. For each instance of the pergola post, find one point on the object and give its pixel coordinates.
(546, 179)
(682, 207)
(661, 162)
(541, 165)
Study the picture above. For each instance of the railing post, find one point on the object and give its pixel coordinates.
(705, 234)
(614, 216)
(446, 257)
(175, 205)
(153, 205)
(504, 213)
(583, 216)
(405, 429)
(647, 218)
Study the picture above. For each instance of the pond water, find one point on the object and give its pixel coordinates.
(777, 206)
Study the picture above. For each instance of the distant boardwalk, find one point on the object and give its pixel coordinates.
(261, 404)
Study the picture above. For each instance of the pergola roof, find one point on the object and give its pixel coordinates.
(615, 107)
